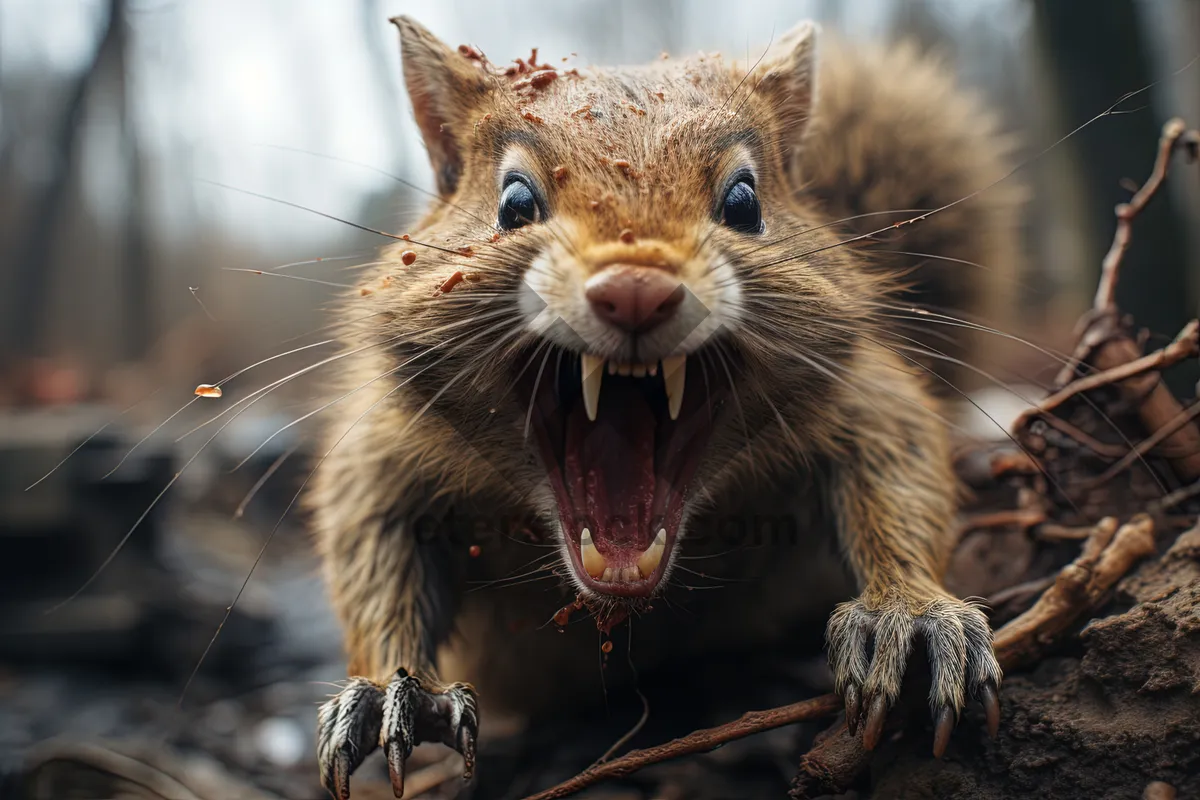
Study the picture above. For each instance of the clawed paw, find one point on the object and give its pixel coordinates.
(396, 717)
(869, 647)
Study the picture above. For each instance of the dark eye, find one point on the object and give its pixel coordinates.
(518, 205)
(740, 210)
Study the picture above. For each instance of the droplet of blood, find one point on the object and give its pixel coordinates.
(208, 390)
(408, 257)
(451, 282)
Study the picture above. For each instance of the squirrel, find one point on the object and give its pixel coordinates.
(639, 310)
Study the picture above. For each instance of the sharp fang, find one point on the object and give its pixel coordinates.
(593, 371)
(674, 369)
(593, 562)
(649, 560)
(612, 368)
(639, 370)
(654, 369)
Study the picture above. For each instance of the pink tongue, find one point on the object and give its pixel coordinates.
(609, 471)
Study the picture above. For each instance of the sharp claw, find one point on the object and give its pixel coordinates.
(341, 776)
(991, 707)
(873, 729)
(942, 730)
(328, 780)
(395, 762)
(853, 708)
(467, 748)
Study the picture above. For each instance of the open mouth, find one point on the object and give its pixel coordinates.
(621, 444)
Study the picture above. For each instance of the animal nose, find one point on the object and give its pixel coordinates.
(635, 299)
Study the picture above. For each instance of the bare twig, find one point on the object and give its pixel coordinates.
(1020, 590)
(835, 760)
(1051, 532)
(700, 741)
(1175, 498)
(1186, 345)
(1024, 518)
(981, 468)
(1107, 555)
(1127, 212)
(1119, 359)
(1087, 440)
(1113, 351)
(831, 765)
(1158, 408)
(1147, 444)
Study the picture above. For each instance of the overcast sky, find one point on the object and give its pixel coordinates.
(221, 87)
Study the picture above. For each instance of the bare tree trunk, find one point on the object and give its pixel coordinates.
(135, 279)
(34, 264)
(1096, 52)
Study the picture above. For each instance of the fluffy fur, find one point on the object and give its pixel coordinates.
(830, 426)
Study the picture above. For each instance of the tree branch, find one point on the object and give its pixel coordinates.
(701, 741)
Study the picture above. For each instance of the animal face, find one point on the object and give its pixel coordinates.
(623, 304)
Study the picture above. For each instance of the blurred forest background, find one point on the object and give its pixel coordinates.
(120, 122)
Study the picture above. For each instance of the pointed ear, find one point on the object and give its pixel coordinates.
(787, 76)
(445, 87)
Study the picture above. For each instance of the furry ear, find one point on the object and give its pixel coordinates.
(445, 87)
(787, 76)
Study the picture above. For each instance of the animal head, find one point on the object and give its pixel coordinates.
(621, 301)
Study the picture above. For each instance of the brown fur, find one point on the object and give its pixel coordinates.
(628, 160)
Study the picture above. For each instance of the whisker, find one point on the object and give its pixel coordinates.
(1045, 473)
(711, 577)
(926, 215)
(826, 366)
(749, 72)
(1134, 453)
(194, 398)
(364, 228)
(719, 353)
(332, 359)
(533, 396)
(275, 384)
(84, 443)
(266, 476)
(407, 184)
(926, 315)
(333, 325)
(153, 503)
(832, 224)
(289, 276)
(362, 386)
(196, 296)
(317, 260)
(270, 536)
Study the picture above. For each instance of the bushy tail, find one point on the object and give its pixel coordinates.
(893, 130)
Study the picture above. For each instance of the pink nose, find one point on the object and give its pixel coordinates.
(634, 298)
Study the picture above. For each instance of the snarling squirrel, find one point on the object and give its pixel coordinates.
(641, 309)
